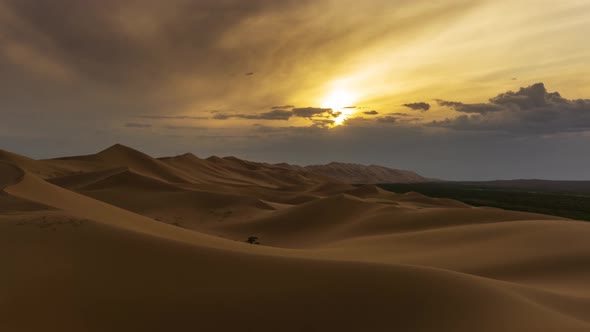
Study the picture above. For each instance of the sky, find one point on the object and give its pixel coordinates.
(456, 89)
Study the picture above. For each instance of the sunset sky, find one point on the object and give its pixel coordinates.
(450, 89)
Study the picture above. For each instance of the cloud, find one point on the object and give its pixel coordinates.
(286, 131)
(421, 106)
(387, 119)
(137, 125)
(276, 114)
(172, 117)
(399, 119)
(137, 42)
(411, 120)
(371, 112)
(272, 115)
(282, 113)
(481, 108)
(323, 123)
(173, 127)
(529, 110)
(534, 96)
(308, 112)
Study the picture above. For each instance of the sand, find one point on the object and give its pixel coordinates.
(372, 174)
(121, 241)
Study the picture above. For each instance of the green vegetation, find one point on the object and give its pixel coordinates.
(547, 199)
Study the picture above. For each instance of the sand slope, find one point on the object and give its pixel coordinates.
(84, 252)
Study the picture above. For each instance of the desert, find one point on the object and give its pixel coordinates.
(294, 165)
(122, 241)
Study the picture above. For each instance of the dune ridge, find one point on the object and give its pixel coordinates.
(371, 174)
(128, 242)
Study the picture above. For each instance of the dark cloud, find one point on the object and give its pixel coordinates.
(273, 115)
(390, 120)
(323, 123)
(276, 114)
(223, 116)
(534, 96)
(282, 113)
(386, 119)
(481, 108)
(411, 120)
(309, 112)
(529, 110)
(137, 42)
(350, 107)
(173, 127)
(421, 106)
(137, 125)
(172, 117)
(371, 112)
(356, 121)
(451, 104)
(395, 118)
(287, 131)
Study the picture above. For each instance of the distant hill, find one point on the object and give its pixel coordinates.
(373, 174)
(556, 186)
(569, 199)
(188, 168)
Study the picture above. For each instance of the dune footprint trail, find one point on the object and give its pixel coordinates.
(109, 244)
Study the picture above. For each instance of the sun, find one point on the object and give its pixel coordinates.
(340, 101)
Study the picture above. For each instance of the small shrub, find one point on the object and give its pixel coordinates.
(253, 240)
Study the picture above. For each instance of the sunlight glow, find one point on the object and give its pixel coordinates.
(340, 101)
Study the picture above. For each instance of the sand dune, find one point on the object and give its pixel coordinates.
(343, 216)
(127, 242)
(188, 168)
(120, 177)
(38, 167)
(233, 171)
(10, 174)
(373, 174)
(119, 155)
